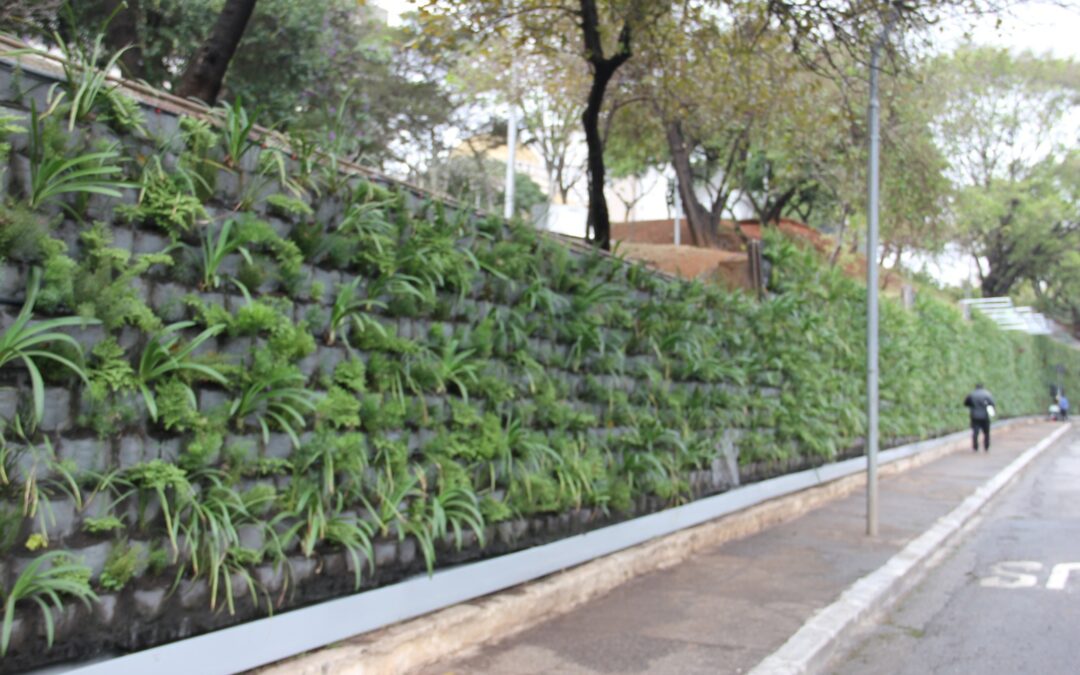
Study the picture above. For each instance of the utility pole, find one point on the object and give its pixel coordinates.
(511, 147)
(678, 225)
(872, 288)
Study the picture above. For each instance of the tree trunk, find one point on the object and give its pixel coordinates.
(123, 32)
(702, 227)
(204, 75)
(845, 214)
(603, 69)
(776, 210)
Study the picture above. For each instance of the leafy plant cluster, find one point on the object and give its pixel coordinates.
(930, 358)
(402, 371)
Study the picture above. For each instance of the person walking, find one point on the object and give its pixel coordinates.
(1063, 405)
(981, 406)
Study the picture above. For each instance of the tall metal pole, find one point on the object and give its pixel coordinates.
(511, 146)
(677, 235)
(872, 300)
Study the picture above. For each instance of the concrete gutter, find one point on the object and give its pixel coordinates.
(692, 528)
(809, 649)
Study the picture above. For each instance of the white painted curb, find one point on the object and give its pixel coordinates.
(809, 648)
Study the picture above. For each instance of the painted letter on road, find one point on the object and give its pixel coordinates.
(1059, 576)
(1010, 574)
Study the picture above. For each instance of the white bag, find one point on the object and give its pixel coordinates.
(991, 412)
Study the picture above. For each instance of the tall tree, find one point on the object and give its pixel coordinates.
(204, 75)
(548, 88)
(1005, 121)
(350, 83)
(607, 31)
(603, 68)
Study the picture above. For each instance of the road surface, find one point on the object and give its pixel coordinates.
(1006, 600)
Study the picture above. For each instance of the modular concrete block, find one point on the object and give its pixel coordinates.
(330, 279)
(87, 336)
(227, 186)
(301, 568)
(330, 357)
(280, 227)
(250, 444)
(149, 603)
(168, 301)
(407, 551)
(163, 126)
(9, 402)
(62, 520)
(132, 451)
(88, 454)
(12, 282)
(195, 594)
(278, 446)
(105, 609)
(271, 577)
(329, 212)
(169, 449)
(251, 536)
(57, 412)
(210, 399)
(149, 242)
(142, 288)
(239, 348)
(385, 552)
(128, 337)
(95, 556)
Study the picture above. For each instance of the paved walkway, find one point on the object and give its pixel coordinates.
(727, 609)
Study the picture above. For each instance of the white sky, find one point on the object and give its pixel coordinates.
(394, 7)
(1037, 26)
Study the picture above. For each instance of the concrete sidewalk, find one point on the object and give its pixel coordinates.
(727, 609)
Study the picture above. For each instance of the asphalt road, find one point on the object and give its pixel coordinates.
(1006, 600)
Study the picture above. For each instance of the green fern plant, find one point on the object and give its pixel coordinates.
(53, 175)
(354, 535)
(164, 357)
(215, 249)
(30, 342)
(87, 85)
(45, 581)
(278, 396)
(237, 132)
(347, 309)
(168, 199)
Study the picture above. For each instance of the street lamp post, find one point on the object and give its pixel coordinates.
(872, 287)
(511, 148)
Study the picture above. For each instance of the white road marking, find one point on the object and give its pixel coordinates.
(1059, 576)
(1010, 574)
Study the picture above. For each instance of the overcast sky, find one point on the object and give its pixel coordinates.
(1039, 27)
(1035, 26)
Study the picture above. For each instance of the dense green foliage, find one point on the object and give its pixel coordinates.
(930, 358)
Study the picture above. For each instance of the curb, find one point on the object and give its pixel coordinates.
(445, 633)
(808, 650)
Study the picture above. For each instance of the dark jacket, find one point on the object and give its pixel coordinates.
(978, 401)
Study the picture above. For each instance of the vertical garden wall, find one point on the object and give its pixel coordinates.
(235, 379)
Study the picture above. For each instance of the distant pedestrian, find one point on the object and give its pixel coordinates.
(1063, 404)
(981, 406)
